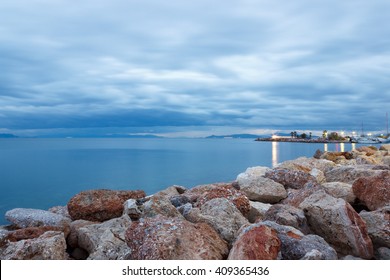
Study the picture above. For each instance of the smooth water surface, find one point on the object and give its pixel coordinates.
(41, 173)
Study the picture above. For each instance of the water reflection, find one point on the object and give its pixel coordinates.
(340, 147)
(275, 154)
(325, 147)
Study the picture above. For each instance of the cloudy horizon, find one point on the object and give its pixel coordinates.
(192, 68)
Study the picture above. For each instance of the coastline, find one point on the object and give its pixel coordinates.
(284, 212)
(299, 140)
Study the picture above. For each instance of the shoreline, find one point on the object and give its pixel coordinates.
(284, 212)
(296, 140)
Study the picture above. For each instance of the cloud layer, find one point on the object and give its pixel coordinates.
(139, 64)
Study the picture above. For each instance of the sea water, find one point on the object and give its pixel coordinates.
(41, 173)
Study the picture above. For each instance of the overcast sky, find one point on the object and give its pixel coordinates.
(191, 68)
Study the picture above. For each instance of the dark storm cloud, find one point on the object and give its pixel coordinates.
(250, 64)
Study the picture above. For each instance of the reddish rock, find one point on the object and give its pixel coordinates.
(162, 238)
(337, 222)
(256, 242)
(293, 179)
(30, 233)
(201, 194)
(373, 191)
(100, 205)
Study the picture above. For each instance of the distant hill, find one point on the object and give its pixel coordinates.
(7, 135)
(236, 136)
(116, 136)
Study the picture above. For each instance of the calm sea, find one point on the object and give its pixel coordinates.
(41, 173)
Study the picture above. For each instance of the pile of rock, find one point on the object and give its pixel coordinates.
(332, 206)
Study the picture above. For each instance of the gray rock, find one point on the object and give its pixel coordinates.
(72, 239)
(179, 200)
(24, 217)
(348, 174)
(160, 205)
(257, 211)
(105, 241)
(308, 164)
(49, 246)
(340, 190)
(221, 214)
(382, 253)
(313, 255)
(378, 226)
(296, 245)
(172, 191)
(60, 210)
(258, 188)
(288, 215)
(132, 209)
(351, 258)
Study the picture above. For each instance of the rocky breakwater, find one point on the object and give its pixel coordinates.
(332, 206)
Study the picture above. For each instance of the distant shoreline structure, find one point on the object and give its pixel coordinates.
(300, 140)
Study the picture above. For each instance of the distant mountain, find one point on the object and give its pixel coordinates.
(119, 136)
(236, 136)
(7, 135)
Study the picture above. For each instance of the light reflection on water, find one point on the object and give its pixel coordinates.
(278, 149)
(275, 155)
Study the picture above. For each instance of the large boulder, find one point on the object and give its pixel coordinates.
(258, 188)
(221, 214)
(288, 215)
(297, 246)
(51, 245)
(256, 242)
(373, 191)
(201, 194)
(100, 205)
(294, 179)
(340, 190)
(105, 241)
(162, 238)
(24, 218)
(378, 226)
(337, 222)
